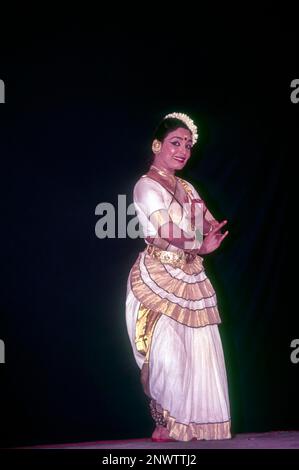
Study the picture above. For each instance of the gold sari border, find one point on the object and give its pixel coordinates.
(184, 315)
(198, 431)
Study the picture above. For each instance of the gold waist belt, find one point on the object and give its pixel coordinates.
(176, 259)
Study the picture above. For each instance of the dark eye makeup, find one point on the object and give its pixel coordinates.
(176, 143)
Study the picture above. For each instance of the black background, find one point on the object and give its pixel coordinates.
(82, 100)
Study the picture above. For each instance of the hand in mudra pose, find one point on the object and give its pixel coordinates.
(213, 239)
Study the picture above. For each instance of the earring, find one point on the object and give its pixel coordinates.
(156, 146)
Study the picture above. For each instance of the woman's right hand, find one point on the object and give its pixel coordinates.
(213, 239)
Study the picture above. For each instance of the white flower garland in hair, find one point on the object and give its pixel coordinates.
(189, 123)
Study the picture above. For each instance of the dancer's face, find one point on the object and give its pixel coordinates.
(175, 150)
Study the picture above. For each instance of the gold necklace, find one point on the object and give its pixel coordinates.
(164, 173)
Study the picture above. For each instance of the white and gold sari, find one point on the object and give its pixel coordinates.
(172, 319)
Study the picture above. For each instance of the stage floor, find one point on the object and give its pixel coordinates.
(266, 440)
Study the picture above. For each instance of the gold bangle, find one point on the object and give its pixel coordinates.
(210, 229)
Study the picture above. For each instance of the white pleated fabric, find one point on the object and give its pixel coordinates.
(187, 375)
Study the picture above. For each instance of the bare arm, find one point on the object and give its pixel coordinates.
(174, 235)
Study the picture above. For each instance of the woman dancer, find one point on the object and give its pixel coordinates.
(171, 307)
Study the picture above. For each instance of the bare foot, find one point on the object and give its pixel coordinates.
(157, 432)
(161, 432)
(164, 433)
